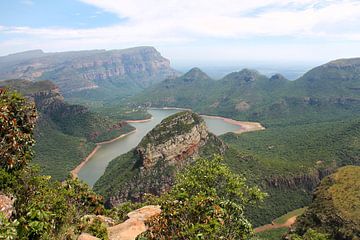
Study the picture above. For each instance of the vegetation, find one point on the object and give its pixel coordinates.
(43, 209)
(285, 217)
(328, 92)
(65, 133)
(287, 162)
(335, 210)
(207, 202)
(15, 130)
(272, 234)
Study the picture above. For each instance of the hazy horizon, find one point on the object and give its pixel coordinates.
(197, 33)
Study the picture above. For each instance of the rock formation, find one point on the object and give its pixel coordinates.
(82, 70)
(164, 151)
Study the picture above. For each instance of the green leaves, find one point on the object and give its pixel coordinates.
(17, 118)
(206, 202)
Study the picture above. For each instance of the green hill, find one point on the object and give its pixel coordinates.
(327, 92)
(65, 133)
(335, 209)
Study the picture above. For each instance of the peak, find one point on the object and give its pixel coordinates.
(343, 63)
(172, 126)
(247, 75)
(196, 73)
(278, 77)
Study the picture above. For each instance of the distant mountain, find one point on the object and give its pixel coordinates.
(335, 209)
(151, 167)
(96, 73)
(65, 133)
(330, 91)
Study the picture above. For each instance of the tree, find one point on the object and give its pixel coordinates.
(17, 120)
(207, 202)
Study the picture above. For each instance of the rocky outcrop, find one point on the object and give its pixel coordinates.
(307, 180)
(128, 230)
(173, 141)
(135, 225)
(82, 70)
(173, 144)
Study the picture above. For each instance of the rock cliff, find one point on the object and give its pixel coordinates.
(153, 164)
(84, 70)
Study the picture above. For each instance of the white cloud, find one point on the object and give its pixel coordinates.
(178, 22)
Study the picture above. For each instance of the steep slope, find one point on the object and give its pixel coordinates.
(335, 209)
(65, 133)
(95, 73)
(152, 165)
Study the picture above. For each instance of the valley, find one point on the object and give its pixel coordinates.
(105, 152)
(279, 135)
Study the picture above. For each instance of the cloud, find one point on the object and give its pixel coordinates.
(179, 22)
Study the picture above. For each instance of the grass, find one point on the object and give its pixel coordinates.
(285, 217)
(273, 234)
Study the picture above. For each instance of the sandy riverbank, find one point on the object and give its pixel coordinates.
(76, 170)
(140, 120)
(244, 126)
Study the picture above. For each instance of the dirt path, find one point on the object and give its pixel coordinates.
(266, 227)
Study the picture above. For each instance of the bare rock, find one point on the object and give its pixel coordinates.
(135, 225)
(86, 236)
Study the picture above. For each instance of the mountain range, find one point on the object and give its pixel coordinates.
(328, 91)
(90, 74)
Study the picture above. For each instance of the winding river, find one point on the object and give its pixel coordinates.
(95, 166)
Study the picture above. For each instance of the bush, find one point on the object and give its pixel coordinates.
(17, 120)
(207, 202)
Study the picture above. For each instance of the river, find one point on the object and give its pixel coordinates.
(96, 165)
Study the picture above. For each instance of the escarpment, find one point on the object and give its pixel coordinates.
(77, 71)
(151, 167)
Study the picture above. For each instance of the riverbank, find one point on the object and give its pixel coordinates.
(74, 173)
(140, 120)
(244, 126)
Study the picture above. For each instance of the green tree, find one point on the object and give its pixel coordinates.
(17, 120)
(207, 202)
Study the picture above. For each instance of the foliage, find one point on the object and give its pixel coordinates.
(291, 154)
(335, 209)
(7, 228)
(17, 119)
(43, 208)
(272, 234)
(285, 217)
(94, 227)
(207, 202)
(119, 213)
(310, 234)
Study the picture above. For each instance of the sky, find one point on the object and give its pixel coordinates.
(196, 32)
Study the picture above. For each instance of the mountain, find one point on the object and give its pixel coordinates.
(335, 209)
(327, 92)
(95, 73)
(152, 165)
(65, 133)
